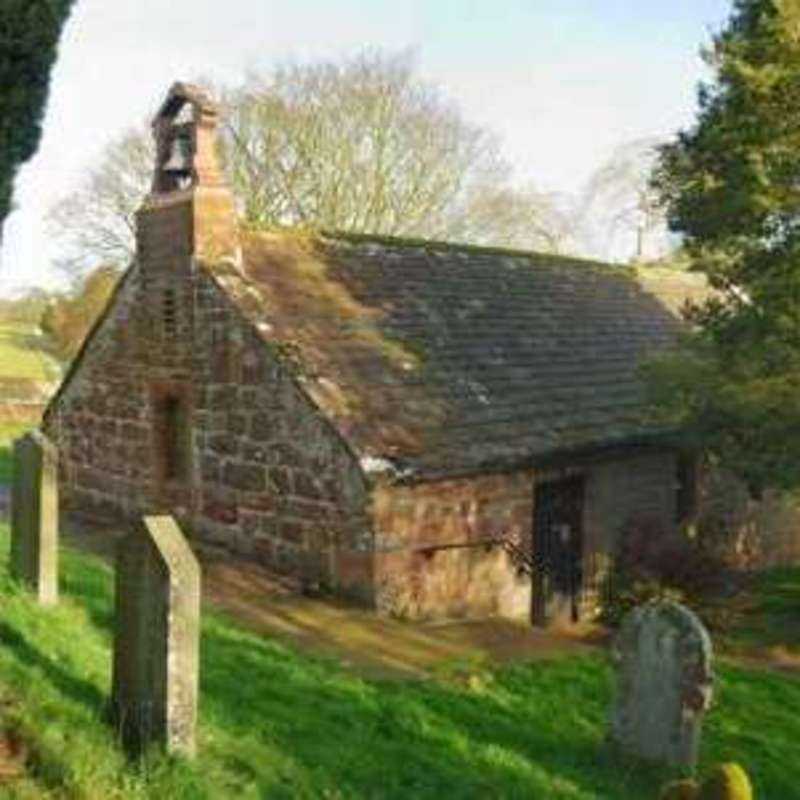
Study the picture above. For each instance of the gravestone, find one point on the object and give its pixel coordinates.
(34, 516)
(662, 654)
(155, 667)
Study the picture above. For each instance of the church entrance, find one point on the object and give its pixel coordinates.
(558, 551)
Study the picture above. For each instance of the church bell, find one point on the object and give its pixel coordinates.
(179, 163)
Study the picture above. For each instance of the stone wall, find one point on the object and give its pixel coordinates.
(433, 551)
(99, 418)
(623, 487)
(276, 479)
(618, 491)
(748, 533)
(21, 413)
(432, 557)
(261, 472)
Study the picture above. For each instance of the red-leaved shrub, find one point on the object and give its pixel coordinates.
(653, 562)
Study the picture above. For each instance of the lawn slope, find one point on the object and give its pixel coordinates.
(275, 723)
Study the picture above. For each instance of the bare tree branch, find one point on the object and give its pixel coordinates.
(360, 144)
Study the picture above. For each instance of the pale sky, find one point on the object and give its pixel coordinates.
(562, 81)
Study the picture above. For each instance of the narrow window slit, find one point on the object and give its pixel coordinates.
(173, 437)
(169, 312)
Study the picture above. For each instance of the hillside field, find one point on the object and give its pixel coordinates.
(28, 373)
(22, 354)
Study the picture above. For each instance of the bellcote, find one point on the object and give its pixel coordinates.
(187, 175)
(185, 130)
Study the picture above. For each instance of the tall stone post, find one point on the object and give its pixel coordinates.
(34, 516)
(156, 643)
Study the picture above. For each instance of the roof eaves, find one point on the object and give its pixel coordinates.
(399, 473)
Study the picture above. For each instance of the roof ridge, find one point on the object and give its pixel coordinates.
(357, 237)
(637, 271)
(467, 247)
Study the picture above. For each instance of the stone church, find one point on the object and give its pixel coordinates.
(432, 429)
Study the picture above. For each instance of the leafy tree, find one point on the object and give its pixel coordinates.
(360, 144)
(731, 187)
(68, 319)
(29, 32)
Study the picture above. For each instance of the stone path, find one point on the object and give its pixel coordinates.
(371, 645)
(374, 645)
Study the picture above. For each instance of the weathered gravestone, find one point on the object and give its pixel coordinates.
(34, 516)
(155, 668)
(664, 680)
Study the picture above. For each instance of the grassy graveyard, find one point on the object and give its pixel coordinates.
(279, 723)
(764, 621)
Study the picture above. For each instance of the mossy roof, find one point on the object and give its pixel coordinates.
(441, 359)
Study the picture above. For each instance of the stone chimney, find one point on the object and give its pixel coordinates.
(189, 214)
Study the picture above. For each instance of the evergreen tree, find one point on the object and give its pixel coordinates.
(731, 187)
(29, 32)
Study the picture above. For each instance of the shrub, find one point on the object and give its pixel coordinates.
(652, 562)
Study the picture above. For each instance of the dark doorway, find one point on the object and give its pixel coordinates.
(558, 550)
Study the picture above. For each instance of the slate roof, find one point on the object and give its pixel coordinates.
(440, 359)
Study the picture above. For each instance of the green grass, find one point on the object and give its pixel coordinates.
(765, 619)
(276, 723)
(22, 356)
